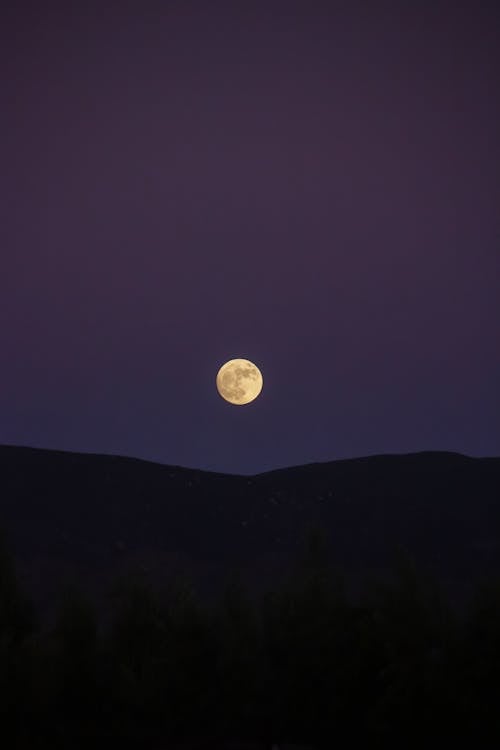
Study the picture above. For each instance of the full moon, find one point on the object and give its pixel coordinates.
(239, 381)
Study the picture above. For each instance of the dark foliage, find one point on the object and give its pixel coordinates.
(305, 664)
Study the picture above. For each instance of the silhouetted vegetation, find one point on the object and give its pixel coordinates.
(307, 663)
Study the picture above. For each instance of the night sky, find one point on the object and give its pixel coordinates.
(311, 186)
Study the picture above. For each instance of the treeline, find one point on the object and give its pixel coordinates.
(305, 664)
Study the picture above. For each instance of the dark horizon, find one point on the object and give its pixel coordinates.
(314, 189)
(182, 467)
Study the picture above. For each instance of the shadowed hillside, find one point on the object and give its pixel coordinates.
(90, 518)
(133, 662)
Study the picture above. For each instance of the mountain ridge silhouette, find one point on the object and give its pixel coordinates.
(92, 518)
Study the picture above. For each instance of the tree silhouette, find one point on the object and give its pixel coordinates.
(76, 664)
(237, 678)
(304, 626)
(477, 673)
(138, 646)
(306, 663)
(17, 631)
(192, 661)
(412, 627)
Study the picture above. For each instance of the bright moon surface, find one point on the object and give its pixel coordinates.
(239, 381)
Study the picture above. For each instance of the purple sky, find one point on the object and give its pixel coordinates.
(316, 190)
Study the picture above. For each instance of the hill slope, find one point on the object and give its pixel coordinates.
(90, 518)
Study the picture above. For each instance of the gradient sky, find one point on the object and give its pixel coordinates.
(312, 186)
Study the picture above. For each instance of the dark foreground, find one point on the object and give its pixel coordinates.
(304, 664)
